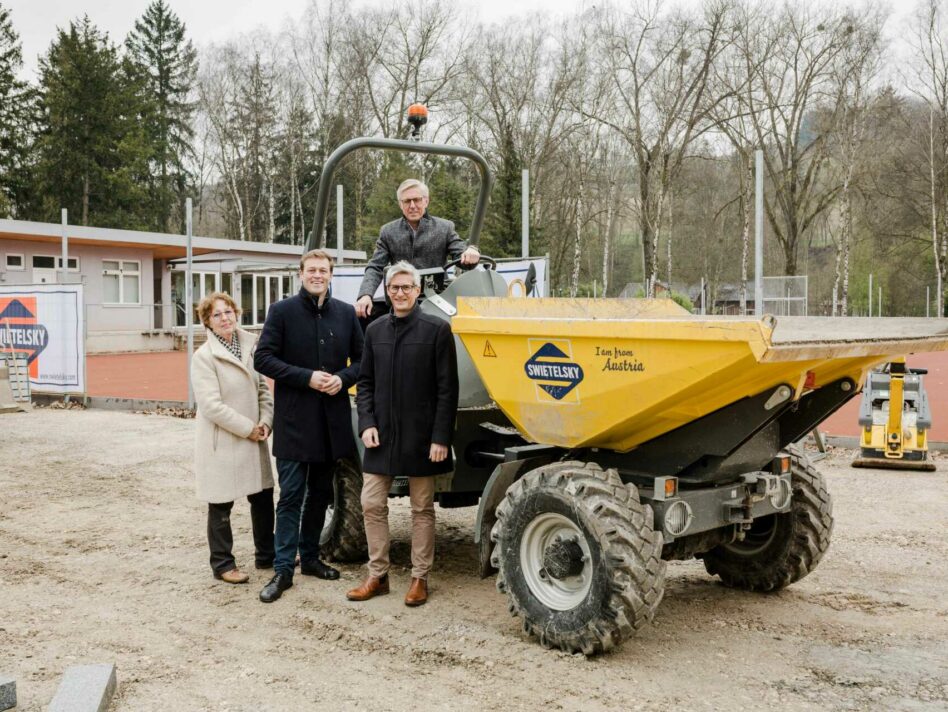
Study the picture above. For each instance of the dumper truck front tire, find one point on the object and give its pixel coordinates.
(780, 549)
(343, 536)
(578, 557)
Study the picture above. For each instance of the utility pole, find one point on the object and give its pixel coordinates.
(189, 305)
(65, 242)
(339, 224)
(759, 234)
(525, 214)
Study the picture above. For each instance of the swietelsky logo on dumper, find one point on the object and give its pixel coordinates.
(18, 328)
(553, 370)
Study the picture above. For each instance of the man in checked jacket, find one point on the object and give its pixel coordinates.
(419, 238)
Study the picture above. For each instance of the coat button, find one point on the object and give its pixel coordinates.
(322, 341)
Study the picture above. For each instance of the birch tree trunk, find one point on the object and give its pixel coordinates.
(293, 199)
(607, 239)
(931, 164)
(577, 244)
(238, 206)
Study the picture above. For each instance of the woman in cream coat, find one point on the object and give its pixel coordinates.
(234, 418)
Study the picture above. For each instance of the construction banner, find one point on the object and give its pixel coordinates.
(45, 322)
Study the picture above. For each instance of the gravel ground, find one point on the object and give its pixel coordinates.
(103, 559)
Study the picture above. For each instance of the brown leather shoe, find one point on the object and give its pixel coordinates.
(370, 588)
(417, 592)
(233, 576)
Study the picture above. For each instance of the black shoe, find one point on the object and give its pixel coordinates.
(273, 590)
(263, 564)
(318, 569)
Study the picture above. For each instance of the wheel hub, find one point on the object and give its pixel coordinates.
(556, 561)
(563, 558)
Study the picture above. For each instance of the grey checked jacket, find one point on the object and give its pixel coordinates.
(434, 244)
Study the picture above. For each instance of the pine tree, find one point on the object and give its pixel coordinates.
(166, 64)
(91, 148)
(16, 104)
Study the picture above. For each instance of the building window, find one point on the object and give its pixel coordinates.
(16, 262)
(56, 263)
(121, 282)
(258, 292)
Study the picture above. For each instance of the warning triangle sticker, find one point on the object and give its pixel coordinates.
(489, 350)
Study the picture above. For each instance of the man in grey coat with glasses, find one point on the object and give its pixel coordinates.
(418, 238)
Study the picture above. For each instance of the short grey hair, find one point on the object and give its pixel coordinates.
(411, 183)
(403, 267)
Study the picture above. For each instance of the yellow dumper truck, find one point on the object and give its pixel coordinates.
(600, 438)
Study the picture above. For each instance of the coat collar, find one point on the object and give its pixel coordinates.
(311, 303)
(409, 318)
(218, 350)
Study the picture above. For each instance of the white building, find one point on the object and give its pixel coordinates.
(134, 282)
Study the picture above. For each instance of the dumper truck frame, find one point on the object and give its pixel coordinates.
(601, 438)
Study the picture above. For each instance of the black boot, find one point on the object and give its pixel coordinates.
(318, 569)
(273, 590)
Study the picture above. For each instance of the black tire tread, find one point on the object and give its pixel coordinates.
(812, 512)
(631, 548)
(347, 542)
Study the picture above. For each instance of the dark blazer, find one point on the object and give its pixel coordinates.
(300, 337)
(408, 389)
(432, 245)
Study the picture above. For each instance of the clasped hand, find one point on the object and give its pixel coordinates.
(325, 383)
(260, 432)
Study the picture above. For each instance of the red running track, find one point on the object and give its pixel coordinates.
(163, 376)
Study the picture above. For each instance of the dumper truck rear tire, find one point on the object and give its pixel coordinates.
(578, 557)
(343, 536)
(780, 549)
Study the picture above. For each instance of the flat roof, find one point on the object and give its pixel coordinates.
(164, 245)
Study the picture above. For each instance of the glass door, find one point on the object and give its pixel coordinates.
(258, 292)
(202, 284)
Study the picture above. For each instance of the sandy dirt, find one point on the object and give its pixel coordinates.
(103, 558)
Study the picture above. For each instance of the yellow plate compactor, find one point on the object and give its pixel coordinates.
(895, 418)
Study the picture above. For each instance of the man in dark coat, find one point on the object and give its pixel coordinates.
(407, 400)
(310, 346)
(419, 238)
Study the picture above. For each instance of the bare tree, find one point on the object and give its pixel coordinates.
(661, 65)
(794, 107)
(931, 48)
(520, 79)
(858, 65)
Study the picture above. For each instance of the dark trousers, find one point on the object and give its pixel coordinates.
(305, 493)
(221, 539)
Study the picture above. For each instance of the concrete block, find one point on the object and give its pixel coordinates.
(85, 688)
(7, 692)
(7, 404)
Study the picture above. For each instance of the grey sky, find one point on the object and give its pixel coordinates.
(215, 20)
(207, 20)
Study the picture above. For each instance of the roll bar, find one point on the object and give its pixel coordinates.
(396, 144)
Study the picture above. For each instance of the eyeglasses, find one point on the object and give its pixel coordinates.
(409, 201)
(403, 288)
(220, 315)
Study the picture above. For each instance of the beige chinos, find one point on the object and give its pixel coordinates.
(375, 490)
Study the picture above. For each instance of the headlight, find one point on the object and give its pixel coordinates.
(678, 518)
(781, 496)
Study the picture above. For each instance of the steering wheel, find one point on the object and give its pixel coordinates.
(488, 262)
